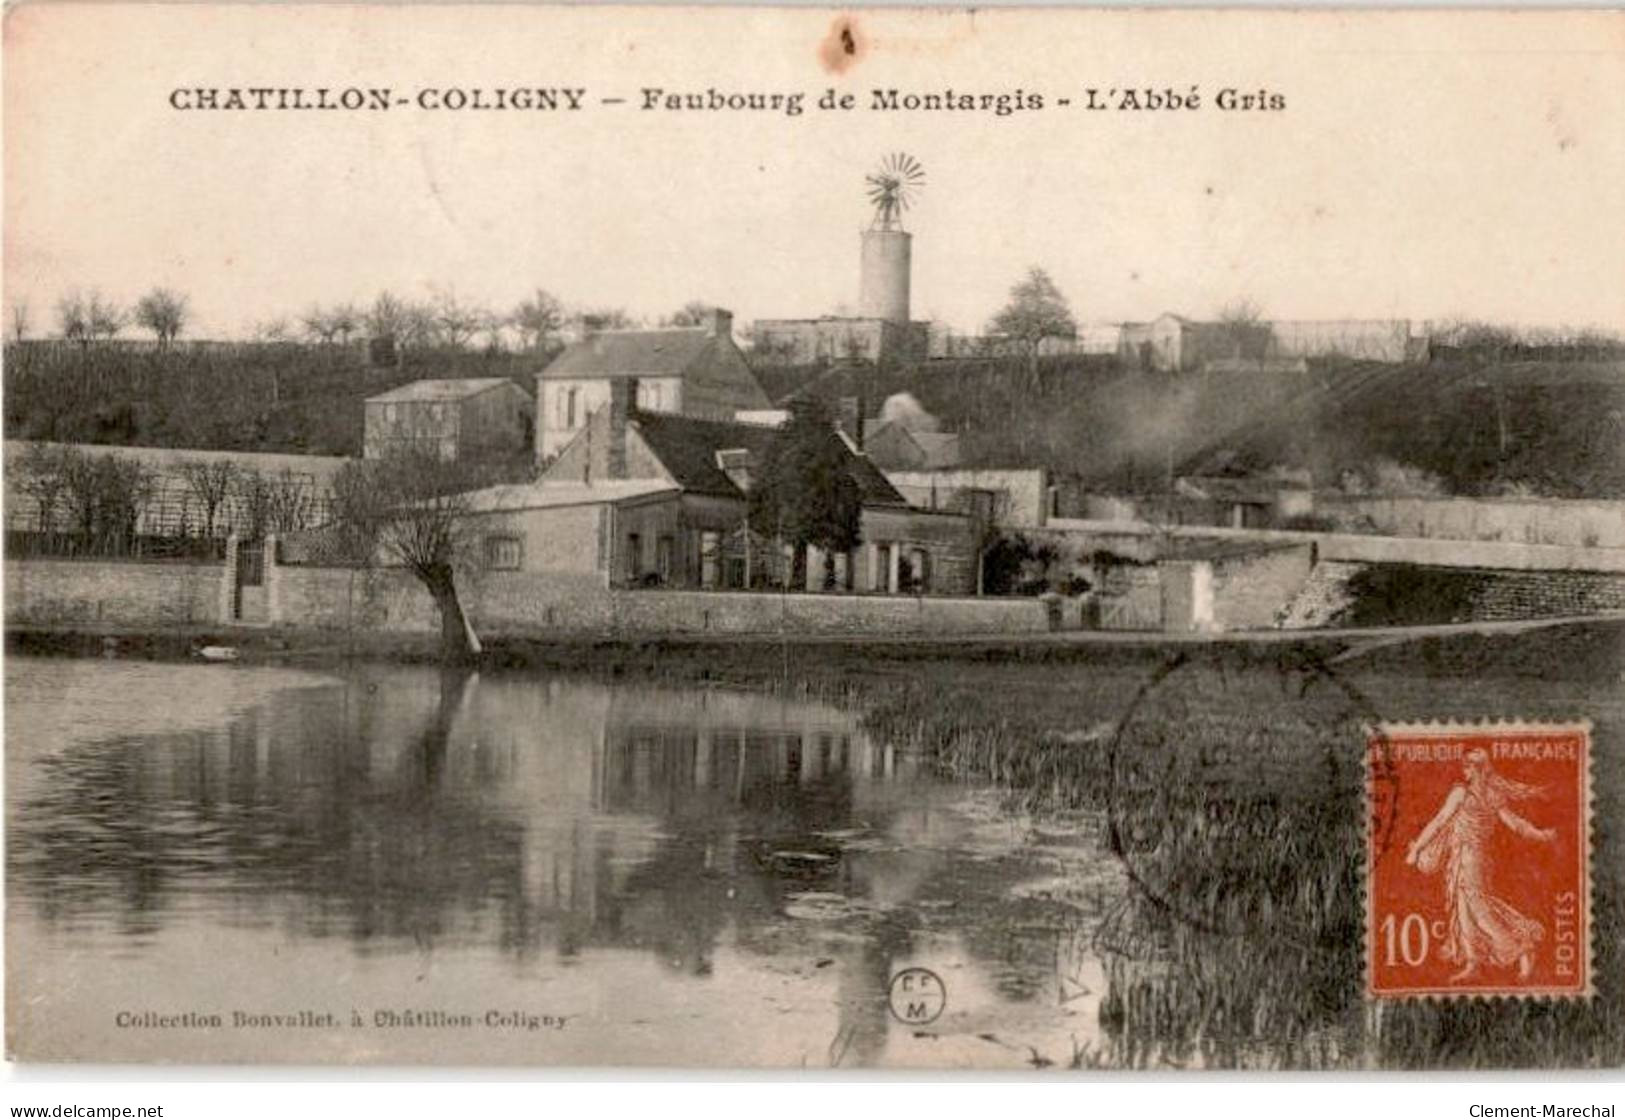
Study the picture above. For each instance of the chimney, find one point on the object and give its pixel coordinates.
(849, 418)
(623, 398)
(721, 324)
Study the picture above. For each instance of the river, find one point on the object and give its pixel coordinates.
(392, 864)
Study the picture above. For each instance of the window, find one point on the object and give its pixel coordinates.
(570, 408)
(710, 558)
(634, 557)
(504, 554)
(664, 547)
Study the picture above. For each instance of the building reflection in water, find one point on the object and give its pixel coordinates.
(405, 807)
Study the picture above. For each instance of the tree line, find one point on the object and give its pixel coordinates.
(103, 504)
(443, 320)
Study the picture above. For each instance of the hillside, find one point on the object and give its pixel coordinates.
(1554, 428)
(1546, 426)
(283, 397)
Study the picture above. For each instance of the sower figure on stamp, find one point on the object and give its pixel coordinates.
(1481, 927)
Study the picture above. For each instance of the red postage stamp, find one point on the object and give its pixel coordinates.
(1478, 860)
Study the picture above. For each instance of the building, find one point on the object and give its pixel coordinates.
(697, 536)
(476, 417)
(1172, 344)
(686, 371)
(830, 339)
(569, 530)
(1378, 340)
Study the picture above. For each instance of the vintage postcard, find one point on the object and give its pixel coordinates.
(1039, 540)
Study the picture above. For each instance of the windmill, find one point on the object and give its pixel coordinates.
(892, 187)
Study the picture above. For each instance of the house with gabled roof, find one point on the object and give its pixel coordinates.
(685, 371)
(450, 418)
(697, 535)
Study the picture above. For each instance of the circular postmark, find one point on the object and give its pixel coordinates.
(1241, 788)
(916, 996)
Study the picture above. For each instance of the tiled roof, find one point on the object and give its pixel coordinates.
(665, 353)
(941, 448)
(688, 448)
(441, 389)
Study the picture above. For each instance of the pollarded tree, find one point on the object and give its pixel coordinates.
(164, 313)
(804, 493)
(412, 509)
(1037, 311)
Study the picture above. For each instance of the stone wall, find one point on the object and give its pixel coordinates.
(498, 602)
(1570, 524)
(113, 592)
(1146, 542)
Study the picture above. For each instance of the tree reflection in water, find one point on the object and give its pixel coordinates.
(415, 811)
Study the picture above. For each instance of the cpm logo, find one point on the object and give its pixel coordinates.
(916, 996)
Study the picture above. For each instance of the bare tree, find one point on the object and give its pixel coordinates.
(607, 319)
(41, 476)
(412, 508)
(164, 313)
(17, 321)
(456, 321)
(418, 326)
(319, 325)
(386, 318)
(1245, 330)
(212, 483)
(537, 320)
(272, 330)
(328, 325)
(290, 502)
(73, 318)
(104, 495)
(492, 327)
(105, 317)
(694, 313)
(346, 320)
(250, 497)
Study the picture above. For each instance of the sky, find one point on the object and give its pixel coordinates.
(1426, 165)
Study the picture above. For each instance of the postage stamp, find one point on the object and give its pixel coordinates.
(1478, 860)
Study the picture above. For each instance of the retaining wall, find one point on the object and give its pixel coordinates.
(1567, 523)
(1146, 542)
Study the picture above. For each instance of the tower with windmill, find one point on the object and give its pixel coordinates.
(883, 280)
(882, 327)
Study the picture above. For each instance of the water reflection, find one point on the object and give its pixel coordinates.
(408, 815)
